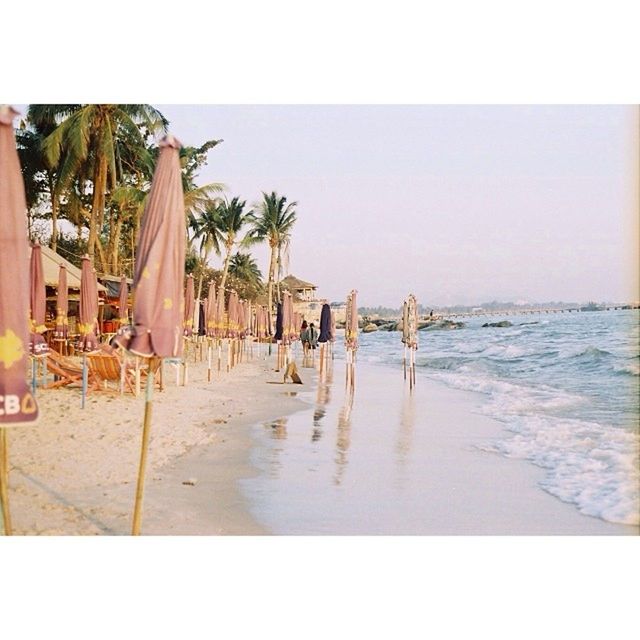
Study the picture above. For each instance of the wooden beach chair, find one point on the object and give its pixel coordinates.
(67, 371)
(108, 367)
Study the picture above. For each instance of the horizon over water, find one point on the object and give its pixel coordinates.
(564, 388)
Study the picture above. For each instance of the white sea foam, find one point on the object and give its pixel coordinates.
(590, 465)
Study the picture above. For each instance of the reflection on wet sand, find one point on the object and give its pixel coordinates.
(277, 430)
(344, 436)
(405, 430)
(323, 398)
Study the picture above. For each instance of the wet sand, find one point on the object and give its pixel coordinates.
(280, 459)
(394, 463)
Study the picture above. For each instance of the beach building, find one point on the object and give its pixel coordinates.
(305, 300)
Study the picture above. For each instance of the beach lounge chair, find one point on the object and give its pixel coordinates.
(108, 367)
(67, 371)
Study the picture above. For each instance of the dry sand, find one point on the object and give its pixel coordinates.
(75, 473)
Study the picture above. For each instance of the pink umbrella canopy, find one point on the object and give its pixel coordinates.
(158, 318)
(248, 319)
(88, 307)
(18, 404)
(351, 324)
(287, 318)
(62, 305)
(220, 327)
(232, 315)
(123, 302)
(211, 311)
(38, 302)
(189, 306)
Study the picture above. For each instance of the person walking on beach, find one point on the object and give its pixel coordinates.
(304, 337)
(313, 336)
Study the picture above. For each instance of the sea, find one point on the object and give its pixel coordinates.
(564, 385)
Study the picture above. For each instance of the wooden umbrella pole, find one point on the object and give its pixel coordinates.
(146, 429)
(219, 354)
(4, 483)
(208, 360)
(321, 359)
(413, 366)
(404, 362)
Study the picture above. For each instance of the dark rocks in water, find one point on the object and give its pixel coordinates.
(502, 323)
(369, 328)
(522, 324)
(442, 324)
(389, 326)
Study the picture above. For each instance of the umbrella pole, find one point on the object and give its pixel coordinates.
(404, 362)
(33, 375)
(208, 360)
(84, 379)
(228, 355)
(146, 427)
(219, 354)
(321, 359)
(4, 483)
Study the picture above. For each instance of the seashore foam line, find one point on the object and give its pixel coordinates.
(76, 476)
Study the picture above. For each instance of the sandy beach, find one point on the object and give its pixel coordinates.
(280, 459)
(75, 473)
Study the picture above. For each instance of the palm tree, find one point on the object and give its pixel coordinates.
(232, 218)
(273, 223)
(207, 228)
(91, 133)
(244, 267)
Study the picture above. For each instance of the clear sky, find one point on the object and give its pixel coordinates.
(457, 204)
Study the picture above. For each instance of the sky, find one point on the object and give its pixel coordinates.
(456, 204)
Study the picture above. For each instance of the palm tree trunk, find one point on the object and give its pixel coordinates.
(272, 267)
(54, 213)
(97, 206)
(114, 248)
(279, 275)
(225, 270)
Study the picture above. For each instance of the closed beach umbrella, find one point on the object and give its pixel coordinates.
(62, 305)
(88, 307)
(158, 329)
(189, 307)
(325, 323)
(248, 319)
(232, 315)
(279, 322)
(287, 321)
(38, 302)
(351, 337)
(202, 317)
(332, 331)
(211, 310)
(405, 322)
(220, 324)
(18, 404)
(123, 302)
(351, 325)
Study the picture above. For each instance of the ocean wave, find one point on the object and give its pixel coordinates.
(590, 465)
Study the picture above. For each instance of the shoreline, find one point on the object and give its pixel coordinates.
(75, 473)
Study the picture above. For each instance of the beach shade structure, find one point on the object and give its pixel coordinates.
(219, 324)
(351, 336)
(210, 317)
(202, 322)
(17, 402)
(123, 303)
(37, 303)
(325, 332)
(278, 333)
(88, 311)
(158, 318)
(189, 307)
(405, 335)
(287, 326)
(61, 332)
(88, 308)
(410, 335)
